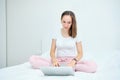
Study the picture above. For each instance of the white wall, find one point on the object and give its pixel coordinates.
(24, 30)
(30, 22)
(98, 22)
(2, 33)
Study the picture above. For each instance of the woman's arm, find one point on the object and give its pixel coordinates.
(53, 47)
(79, 54)
(79, 51)
(52, 53)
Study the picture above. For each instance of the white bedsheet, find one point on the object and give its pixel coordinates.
(108, 69)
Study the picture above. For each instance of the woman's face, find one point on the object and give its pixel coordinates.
(66, 21)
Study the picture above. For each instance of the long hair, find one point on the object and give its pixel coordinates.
(73, 29)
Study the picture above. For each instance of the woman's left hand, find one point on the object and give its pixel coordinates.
(72, 63)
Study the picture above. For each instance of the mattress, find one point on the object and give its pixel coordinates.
(107, 61)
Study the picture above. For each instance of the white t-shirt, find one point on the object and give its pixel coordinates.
(65, 46)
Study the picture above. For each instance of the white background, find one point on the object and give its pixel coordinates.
(2, 33)
(30, 24)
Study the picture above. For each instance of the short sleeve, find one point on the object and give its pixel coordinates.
(77, 39)
(54, 35)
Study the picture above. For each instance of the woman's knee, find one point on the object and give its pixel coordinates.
(37, 61)
(32, 58)
(92, 67)
(87, 66)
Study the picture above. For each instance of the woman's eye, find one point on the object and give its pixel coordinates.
(63, 21)
(69, 22)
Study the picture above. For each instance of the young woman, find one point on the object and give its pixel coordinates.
(66, 48)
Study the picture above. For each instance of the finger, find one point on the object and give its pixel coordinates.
(58, 65)
(54, 64)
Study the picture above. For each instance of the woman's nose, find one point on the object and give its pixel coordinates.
(66, 24)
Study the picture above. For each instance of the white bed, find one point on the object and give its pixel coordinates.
(108, 69)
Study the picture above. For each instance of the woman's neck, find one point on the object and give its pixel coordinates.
(64, 32)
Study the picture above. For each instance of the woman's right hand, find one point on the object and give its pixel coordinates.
(55, 63)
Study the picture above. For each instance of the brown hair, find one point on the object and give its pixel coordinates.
(73, 28)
